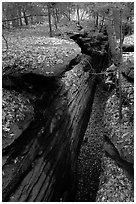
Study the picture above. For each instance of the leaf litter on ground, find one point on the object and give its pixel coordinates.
(17, 113)
(39, 55)
(114, 185)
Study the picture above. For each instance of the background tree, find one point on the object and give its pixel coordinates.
(49, 17)
(17, 14)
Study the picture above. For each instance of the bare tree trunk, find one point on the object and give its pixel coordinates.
(78, 16)
(21, 24)
(102, 24)
(83, 15)
(57, 14)
(55, 18)
(25, 17)
(119, 68)
(96, 22)
(69, 17)
(19, 15)
(49, 18)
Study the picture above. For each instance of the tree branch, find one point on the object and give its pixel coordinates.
(5, 42)
(13, 19)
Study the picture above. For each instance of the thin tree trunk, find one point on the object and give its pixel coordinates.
(94, 19)
(96, 23)
(25, 17)
(78, 16)
(120, 89)
(49, 18)
(55, 19)
(57, 14)
(19, 15)
(21, 24)
(102, 23)
(69, 14)
(82, 15)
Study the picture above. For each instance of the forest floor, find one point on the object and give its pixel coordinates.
(91, 152)
(31, 46)
(98, 177)
(89, 160)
